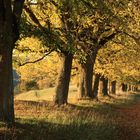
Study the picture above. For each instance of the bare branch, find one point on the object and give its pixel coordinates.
(33, 17)
(30, 50)
(136, 39)
(37, 60)
(104, 40)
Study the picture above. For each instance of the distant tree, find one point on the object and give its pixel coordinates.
(82, 28)
(110, 20)
(96, 31)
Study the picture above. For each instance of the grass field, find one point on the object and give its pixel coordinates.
(80, 120)
(45, 95)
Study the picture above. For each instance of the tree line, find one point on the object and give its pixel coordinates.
(77, 30)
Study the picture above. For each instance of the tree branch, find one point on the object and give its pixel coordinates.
(104, 40)
(54, 3)
(37, 60)
(30, 50)
(17, 11)
(136, 39)
(33, 17)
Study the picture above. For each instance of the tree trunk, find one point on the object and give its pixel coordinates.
(6, 78)
(86, 75)
(129, 87)
(135, 88)
(81, 84)
(124, 87)
(62, 88)
(100, 87)
(113, 87)
(6, 81)
(10, 14)
(96, 85)
(6, 74)
(105, 86)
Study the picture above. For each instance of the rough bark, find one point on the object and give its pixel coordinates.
(113, 87)
(6, 46)
(9, 21)
(6, 85)
(62, 88)
(87, 75)
(96, 85)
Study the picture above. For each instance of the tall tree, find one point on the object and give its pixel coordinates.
(9, 34)
(94, 23)
(97, 30)
(62, 87)
(110, 15)
(61, 35)
(68, 28)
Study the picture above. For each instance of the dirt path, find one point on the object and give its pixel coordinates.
(128, 122)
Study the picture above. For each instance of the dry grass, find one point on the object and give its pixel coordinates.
(45, 95)
(48, 95)
(80, 120)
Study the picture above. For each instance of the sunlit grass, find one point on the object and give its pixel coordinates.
(48, 95)
(79, 120)
(45, 95)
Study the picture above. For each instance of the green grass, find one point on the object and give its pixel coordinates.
(45, 94)
(82, 120)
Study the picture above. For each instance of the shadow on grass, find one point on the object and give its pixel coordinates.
(107, 129)
(108, 107)
(42, 130)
